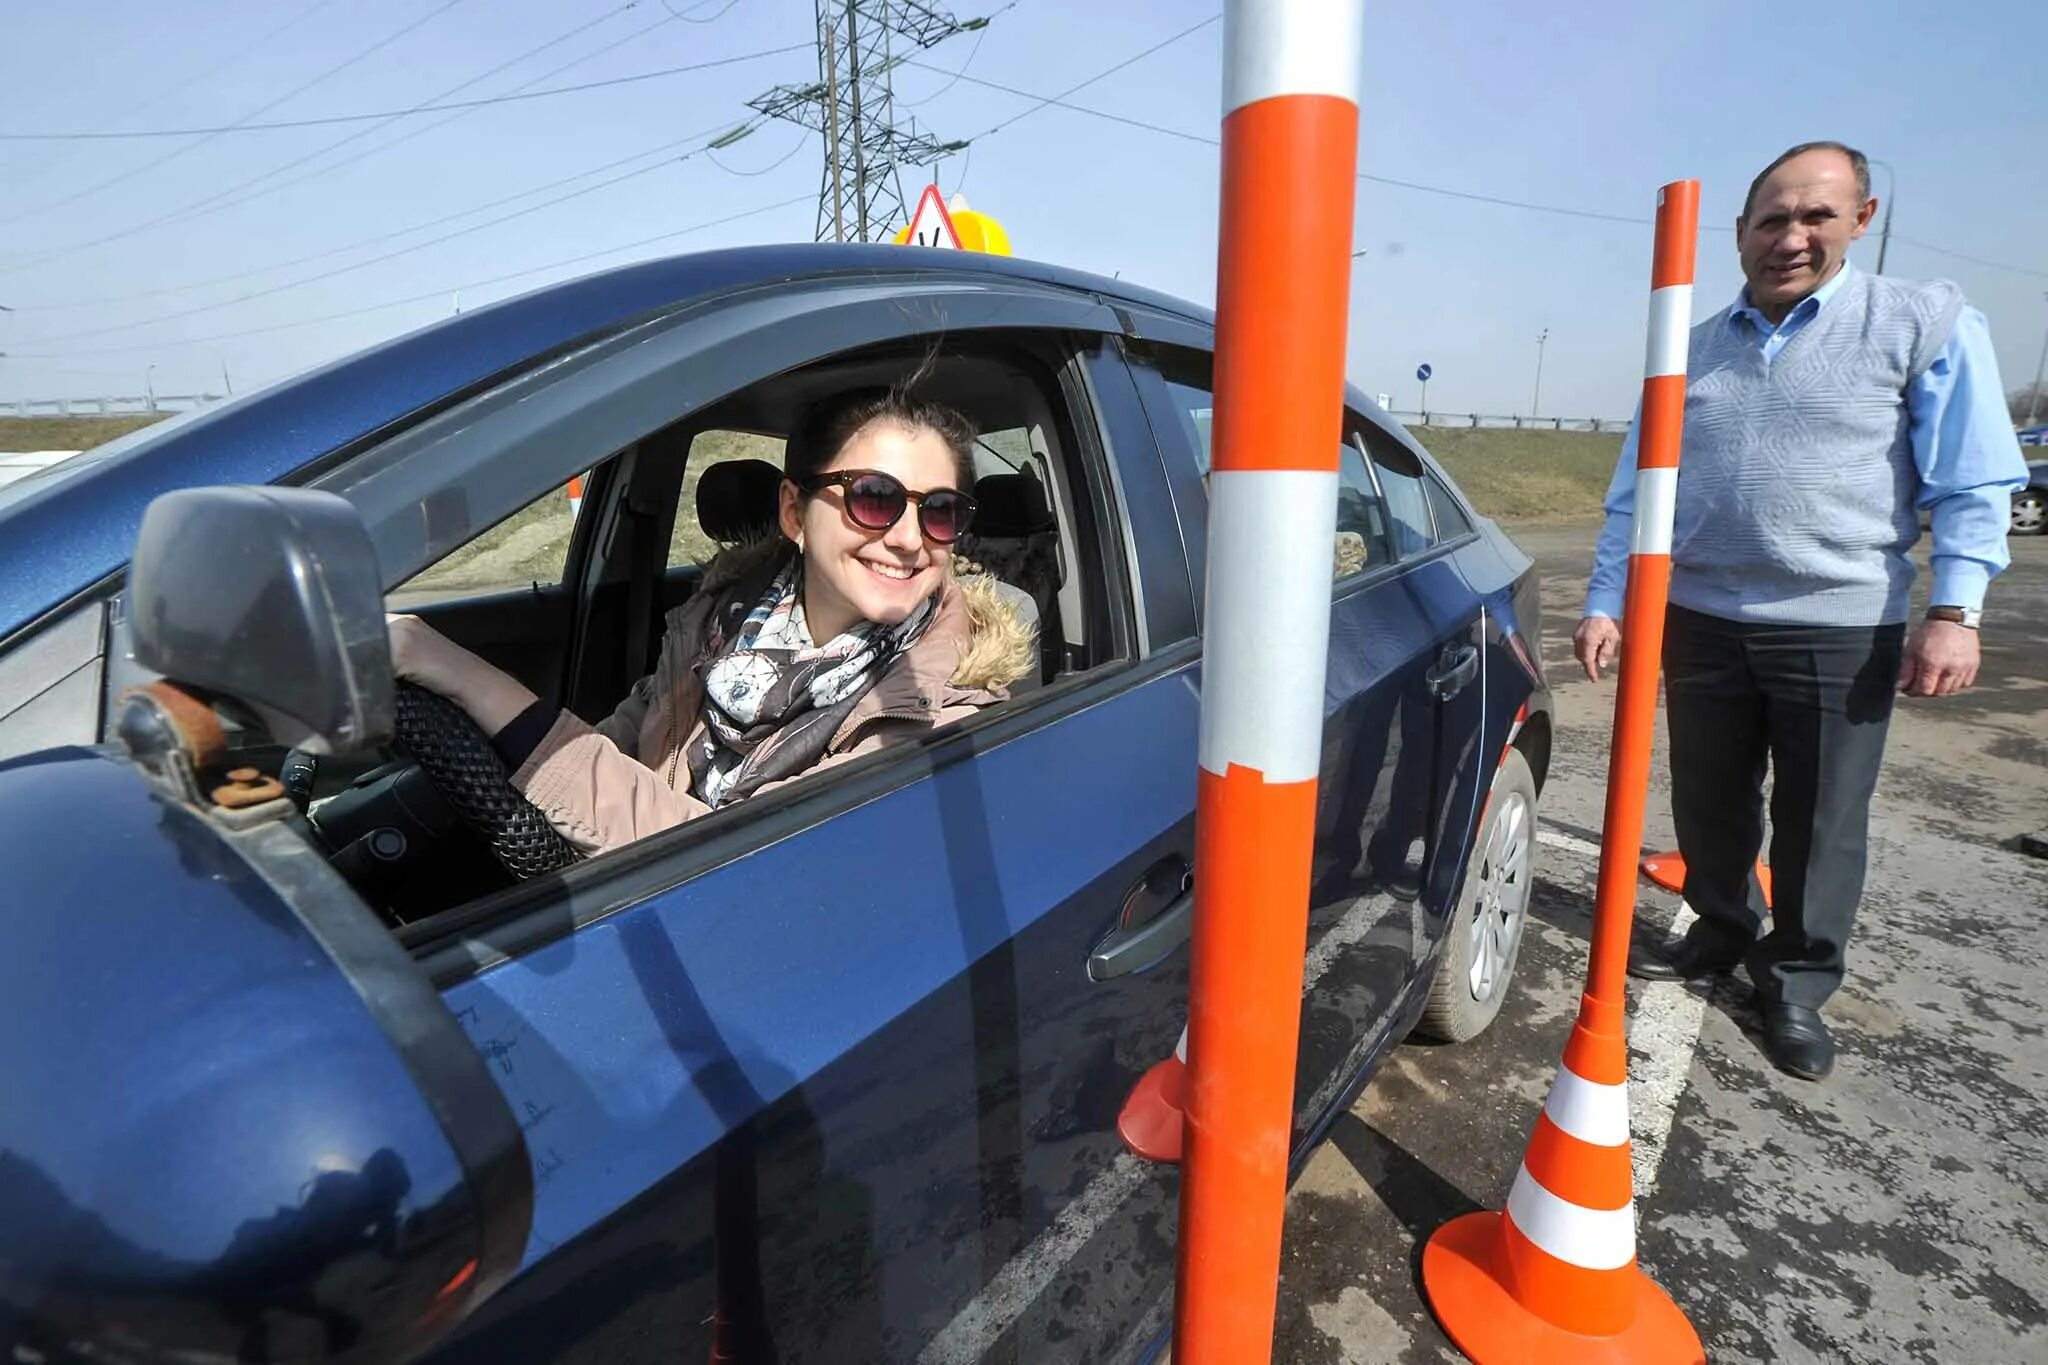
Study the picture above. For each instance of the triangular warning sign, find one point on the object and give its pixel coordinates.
(931, 225)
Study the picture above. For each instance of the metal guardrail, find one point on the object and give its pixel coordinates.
(107, 405)
(1482, 421)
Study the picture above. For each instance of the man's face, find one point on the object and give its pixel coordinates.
(1797, 231)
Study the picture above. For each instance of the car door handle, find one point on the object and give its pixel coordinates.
(1455, 667)
(1144, 935)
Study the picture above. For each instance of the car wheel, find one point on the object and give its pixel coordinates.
(1485, 936)
(2029, 512)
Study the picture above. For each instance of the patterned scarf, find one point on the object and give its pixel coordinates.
(773, 700)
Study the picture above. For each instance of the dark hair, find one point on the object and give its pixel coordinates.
(828, 424)
(1858, 163)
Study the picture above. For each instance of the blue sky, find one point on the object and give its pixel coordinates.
(1588, 106)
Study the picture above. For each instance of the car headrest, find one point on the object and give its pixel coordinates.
(736, 500)
(1011, 505)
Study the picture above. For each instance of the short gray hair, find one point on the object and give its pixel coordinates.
(1858, 163)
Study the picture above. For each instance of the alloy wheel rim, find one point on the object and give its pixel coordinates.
(1502, 898)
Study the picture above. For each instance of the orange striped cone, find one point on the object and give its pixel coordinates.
(1553, 1280)
(1668, 871)
(575, 492)
(1150, 1123)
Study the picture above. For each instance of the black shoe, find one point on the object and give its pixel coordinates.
(1680, 959)
(1797, 1039)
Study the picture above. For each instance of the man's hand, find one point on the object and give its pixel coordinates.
(1941, 660)
(1597, 644)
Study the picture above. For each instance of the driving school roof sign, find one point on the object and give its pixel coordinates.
(952, 227)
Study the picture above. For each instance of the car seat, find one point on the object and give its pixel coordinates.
(1016, 539)
(736, 501)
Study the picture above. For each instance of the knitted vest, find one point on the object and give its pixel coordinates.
(1796, 487)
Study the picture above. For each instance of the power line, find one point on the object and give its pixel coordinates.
(803, 139)
(440, 293)
(379, 237)
(389, 255)
(1045, 100)
(675, 13)
(158, 98)
(212, 207)
(110, 135)
(201, 207)
(1974, 260)
(972, 53)
(1595, 215)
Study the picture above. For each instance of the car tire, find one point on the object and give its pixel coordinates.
(2030, 512)
(1485, 935)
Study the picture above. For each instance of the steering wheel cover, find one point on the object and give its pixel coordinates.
(457, 757)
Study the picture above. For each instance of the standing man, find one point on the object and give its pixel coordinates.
(1825, 409)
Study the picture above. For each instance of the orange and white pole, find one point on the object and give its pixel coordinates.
(1290, 149)
(1649, 586)
(1553, 1279)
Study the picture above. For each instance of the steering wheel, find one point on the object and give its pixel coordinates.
(458, 759)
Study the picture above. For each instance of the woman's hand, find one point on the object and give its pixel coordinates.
(422, 655)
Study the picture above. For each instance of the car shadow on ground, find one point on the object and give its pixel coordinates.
(1420, 1198)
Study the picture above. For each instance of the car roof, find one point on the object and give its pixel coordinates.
(63, 530)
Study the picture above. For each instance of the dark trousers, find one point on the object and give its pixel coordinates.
(1813, 701)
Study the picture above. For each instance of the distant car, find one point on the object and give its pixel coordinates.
(2030, 504)
(300, 1064)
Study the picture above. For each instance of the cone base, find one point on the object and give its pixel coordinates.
(1668, 871)
(1150, 1123)
(1491, 1328)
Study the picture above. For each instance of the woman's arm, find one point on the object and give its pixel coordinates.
(420, 654)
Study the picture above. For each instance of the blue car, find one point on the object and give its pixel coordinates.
(308, 1058)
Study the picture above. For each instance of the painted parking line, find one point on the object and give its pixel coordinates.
(976, 1329)
(1663, 1034)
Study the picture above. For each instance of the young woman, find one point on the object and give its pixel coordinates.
(847, 632)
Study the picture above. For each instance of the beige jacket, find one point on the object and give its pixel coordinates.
(624, 778)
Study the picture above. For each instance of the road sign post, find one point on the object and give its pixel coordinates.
(1290, 150)
(1423, 372)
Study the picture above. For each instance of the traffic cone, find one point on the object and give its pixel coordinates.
(575, 492)
(1553, 1279)
(1150, 1123)
(1668, 871)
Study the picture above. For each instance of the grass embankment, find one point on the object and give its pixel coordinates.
(1527, 476)
(67, 433)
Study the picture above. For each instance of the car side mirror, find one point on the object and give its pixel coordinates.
(271, 597)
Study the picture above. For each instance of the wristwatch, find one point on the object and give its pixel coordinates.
(1967, 617)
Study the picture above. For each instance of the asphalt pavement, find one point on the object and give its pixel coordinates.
(1897, 1212)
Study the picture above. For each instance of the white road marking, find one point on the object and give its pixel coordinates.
(976, 1329)
(1662, 1038)
(1663, 1034)
(1570, 843)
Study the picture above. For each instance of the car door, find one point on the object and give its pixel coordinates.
(1444, 675)
(834, 1075)
(1372, 896)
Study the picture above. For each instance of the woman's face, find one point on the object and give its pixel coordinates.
(853, 574)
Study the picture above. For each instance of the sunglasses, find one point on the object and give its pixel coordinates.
(875, 502)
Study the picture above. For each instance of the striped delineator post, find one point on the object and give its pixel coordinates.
(1290, 161)
(1553, 1279)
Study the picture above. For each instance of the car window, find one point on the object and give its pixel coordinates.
(1361, 539)
(1407, 500)
(1361, 524)
(530, 547)
(1451, 521)
(740, 500)
(1195, 407)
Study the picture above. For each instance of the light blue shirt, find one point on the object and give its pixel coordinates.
(1964, 449)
